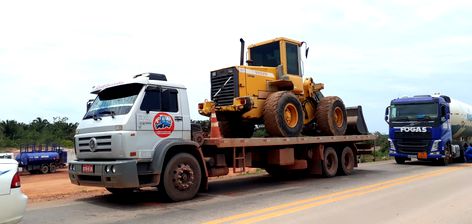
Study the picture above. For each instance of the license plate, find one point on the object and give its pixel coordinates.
(87, 168)
(422, 155)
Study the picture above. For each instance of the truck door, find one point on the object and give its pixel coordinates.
(159, 117)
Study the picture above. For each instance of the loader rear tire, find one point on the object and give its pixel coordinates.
(331, 116)
(283, 115)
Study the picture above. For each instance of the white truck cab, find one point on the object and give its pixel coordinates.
(123, 139)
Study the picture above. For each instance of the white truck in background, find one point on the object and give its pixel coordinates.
(138, 134)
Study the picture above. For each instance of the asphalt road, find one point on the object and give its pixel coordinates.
(381, 192)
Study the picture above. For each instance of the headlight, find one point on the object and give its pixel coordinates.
(392, 146)
(118, 127)
(435, 146)
(113, 170)
(107, 169)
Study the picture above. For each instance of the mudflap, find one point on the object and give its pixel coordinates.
(355, 121)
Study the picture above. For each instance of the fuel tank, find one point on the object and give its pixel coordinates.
(461, 120)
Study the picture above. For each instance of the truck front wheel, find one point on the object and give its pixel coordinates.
(330, 162)
(181, 178)
(400, 160)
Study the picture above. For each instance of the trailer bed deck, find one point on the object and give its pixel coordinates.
(273, 141)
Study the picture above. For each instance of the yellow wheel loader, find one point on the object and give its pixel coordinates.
(270, 90)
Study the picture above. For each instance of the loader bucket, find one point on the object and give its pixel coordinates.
(355, 121)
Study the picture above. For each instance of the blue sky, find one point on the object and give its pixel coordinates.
(366, 52)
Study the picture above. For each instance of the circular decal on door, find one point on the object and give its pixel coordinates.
(163, 125)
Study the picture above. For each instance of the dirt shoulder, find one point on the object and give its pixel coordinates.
(55, 186)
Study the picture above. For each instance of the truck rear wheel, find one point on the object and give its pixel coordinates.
(346, 163)
(181, 178)
(52, 168)
(331, 116)
(44, 169)
(283, 115)
(330, 162)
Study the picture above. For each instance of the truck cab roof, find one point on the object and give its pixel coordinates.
(144, 78)
(421, 99)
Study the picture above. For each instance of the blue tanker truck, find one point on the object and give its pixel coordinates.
(41, 158)
(434, 128)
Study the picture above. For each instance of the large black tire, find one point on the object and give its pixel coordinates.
(52, 168)
(346, 163)
(181, 178)
(400, 160)
(461, 158)
(283, 115)
(330, 162)
(236, 128)
(445, 161)
(44, 169)
(331, 116)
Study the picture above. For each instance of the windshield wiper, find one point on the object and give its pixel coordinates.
(111, 112)
(87, 117)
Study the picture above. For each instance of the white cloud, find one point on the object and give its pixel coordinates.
(53, 52)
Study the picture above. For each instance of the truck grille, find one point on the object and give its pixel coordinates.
(103, 144)
(413, 135)
(224, 86)
(412, 142)
(412, 146)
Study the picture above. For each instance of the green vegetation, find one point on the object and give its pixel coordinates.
(39, 131)
(381, 149)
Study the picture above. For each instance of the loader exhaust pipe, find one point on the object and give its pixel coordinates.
(241, 59)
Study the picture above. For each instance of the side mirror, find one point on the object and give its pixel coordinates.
(387, 112)
(89, 104)
(444, 113)
(306, 52)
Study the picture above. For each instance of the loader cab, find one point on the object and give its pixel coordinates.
(279, 51)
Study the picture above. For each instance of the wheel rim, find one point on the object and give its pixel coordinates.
(291, 115)
(338, 117)
(44, 169)
(183, 177)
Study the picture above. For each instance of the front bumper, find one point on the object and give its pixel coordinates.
(240, 104)
(125, 175)
(402, 155)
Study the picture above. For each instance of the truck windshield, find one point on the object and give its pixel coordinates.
(116, 100)
(414, 112)
(266, 55)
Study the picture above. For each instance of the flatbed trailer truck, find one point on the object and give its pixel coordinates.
(138, 133)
